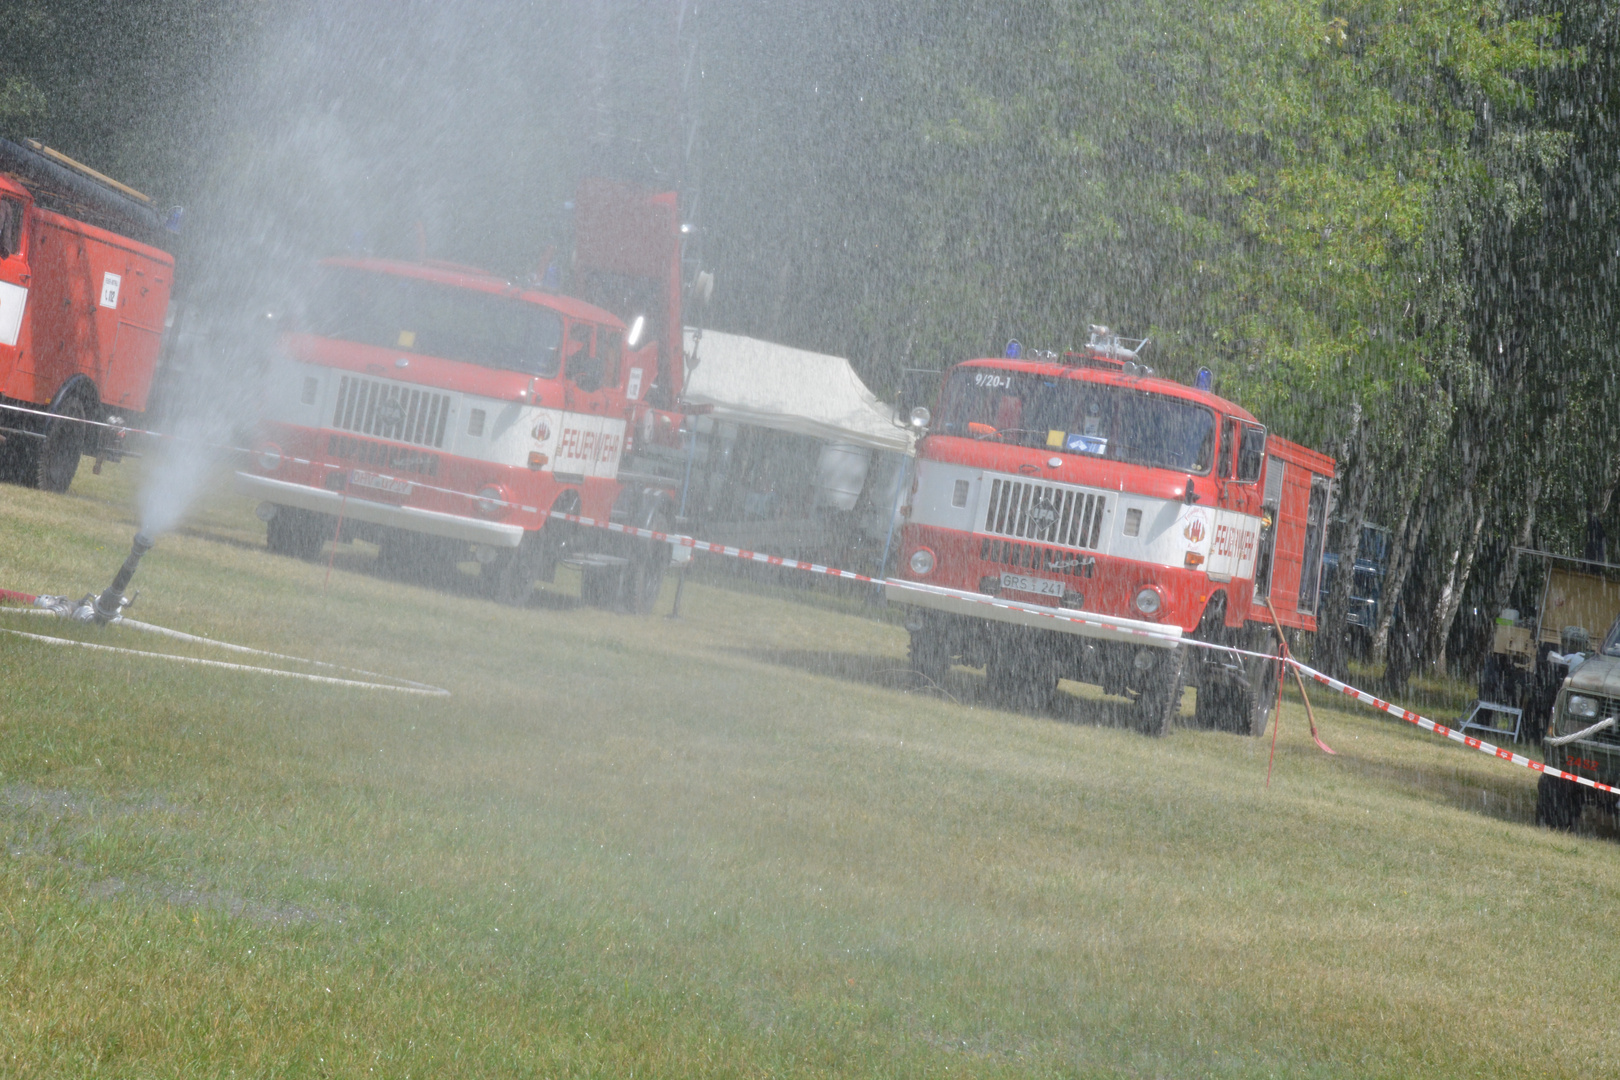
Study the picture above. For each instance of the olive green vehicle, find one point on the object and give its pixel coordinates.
(1583, 737)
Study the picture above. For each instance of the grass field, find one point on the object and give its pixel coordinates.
(732, 845)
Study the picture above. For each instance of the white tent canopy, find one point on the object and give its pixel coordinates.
(749, 381)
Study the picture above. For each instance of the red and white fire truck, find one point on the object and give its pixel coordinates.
(82, 311)
(1143, 511)
(442, 411)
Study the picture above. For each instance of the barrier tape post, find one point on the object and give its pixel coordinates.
(1310, 714)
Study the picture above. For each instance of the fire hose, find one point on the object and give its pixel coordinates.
(1564, 740)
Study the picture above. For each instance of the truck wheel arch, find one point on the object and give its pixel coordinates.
(57, 456)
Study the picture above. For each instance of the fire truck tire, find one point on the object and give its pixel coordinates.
(930, 655)
(1558, 803)
(58, 455)
(1159, 703)
(511, 576)
(296, 533)
(1224, 704)
(644, 577)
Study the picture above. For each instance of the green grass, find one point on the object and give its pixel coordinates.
(732, 845)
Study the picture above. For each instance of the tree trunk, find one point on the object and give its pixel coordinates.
(1329, 651)
(1400, 565)
(1508, 576)
(1451, 595)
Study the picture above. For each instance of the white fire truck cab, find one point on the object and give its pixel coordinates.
(1079, 517)
(442, 412)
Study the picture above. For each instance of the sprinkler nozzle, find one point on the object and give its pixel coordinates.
(112, 601)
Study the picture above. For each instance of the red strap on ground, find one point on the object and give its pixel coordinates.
(1293, 665)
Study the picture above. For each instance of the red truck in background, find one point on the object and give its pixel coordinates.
(1152, 510)
(83, 301)
(443, 412)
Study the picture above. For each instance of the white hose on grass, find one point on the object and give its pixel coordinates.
(394, 683)
(428, 691)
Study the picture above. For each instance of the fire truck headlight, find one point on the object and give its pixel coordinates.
(269, 457)
(922, 562)
(491, 501)
(1148, 600)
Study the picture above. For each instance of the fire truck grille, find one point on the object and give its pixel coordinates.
(392, 458)
(1030, 557)
(1038, 512)
(391, 412)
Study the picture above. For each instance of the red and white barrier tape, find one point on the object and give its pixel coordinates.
(1449, 733)
(1360, 695)
(715, 549)
(730, 551)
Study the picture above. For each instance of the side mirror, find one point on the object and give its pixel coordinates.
(920, 418)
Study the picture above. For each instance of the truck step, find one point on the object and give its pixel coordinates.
(594, 561)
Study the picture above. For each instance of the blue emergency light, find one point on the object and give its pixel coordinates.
(1204, 378)
(1014, 350)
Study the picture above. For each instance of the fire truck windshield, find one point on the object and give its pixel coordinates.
(1072, 416)
(427, 318)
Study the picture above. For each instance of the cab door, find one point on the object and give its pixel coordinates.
(587, 396)
(1235, 542)
(15, 276)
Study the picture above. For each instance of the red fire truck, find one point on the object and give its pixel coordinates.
(442, 411)
(1146, 511)
(82, 310)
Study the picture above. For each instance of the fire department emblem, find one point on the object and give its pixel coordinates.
(1195, 529)
(542, 431)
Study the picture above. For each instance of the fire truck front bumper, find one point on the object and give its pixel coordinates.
(1063, 620)
(410, 518)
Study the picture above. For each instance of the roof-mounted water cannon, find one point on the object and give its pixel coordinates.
(1105, 342)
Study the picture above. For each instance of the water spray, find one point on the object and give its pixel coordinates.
(111, 601)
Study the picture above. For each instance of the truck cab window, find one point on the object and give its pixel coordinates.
(1251, 454)
(584, 367)
(11, 219)
(609, 352)
(427, 318)
(1229, 432)
(1079, 418)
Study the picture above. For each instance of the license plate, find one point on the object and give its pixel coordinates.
(1038, 585)
(379, 483)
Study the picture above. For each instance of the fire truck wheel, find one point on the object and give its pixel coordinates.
(1223, 703)
(1558, 802)
(510, 577)
(644, 577)
(298, 533)
(930, 655)
(58, 458)
(1159, 703)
